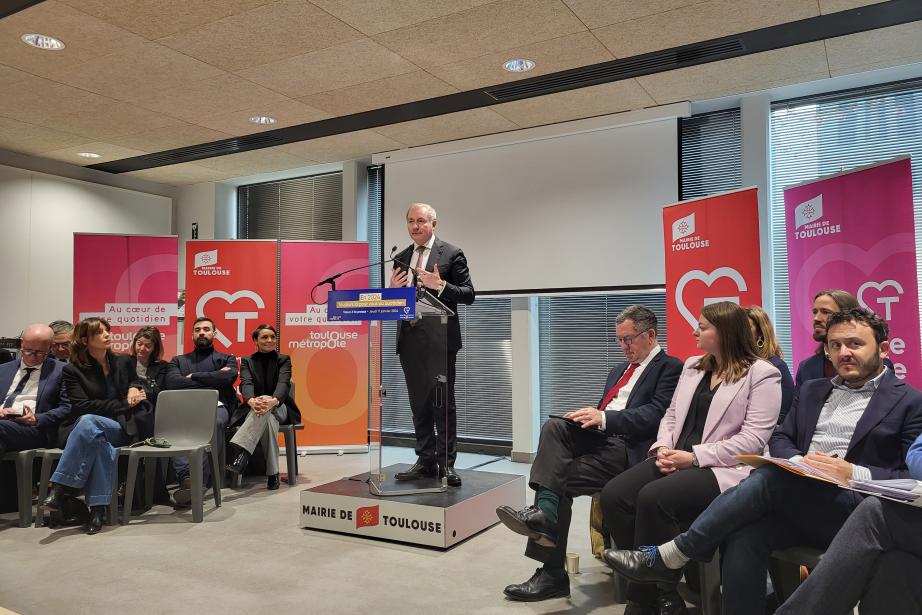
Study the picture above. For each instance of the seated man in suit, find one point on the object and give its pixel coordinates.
(34, 403)
(578, 455)
(859, 425)
(203, 368)
(825, 304)
(63, 335)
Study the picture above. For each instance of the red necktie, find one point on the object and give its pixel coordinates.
(621, 382)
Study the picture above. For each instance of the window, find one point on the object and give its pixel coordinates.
(712, 154)
(302, 208)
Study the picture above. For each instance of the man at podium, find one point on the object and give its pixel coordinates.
(441, 269)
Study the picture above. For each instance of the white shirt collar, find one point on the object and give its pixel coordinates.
(428, 244)
(653, 352)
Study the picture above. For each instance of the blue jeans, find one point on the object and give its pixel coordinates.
(89, 459)
(181, 464)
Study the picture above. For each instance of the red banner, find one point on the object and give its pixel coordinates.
(329, 360)
(233, 283)
(712, 254)
(131, 281)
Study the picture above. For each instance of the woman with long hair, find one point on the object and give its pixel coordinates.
(768, 348)
(108, 402)
(726, 404)
(147, 351)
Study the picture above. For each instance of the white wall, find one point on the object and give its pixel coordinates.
(39, 215)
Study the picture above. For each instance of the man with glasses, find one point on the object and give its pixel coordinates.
(580, 451)
(34, 403)
(60, 343)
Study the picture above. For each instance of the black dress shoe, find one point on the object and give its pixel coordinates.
(417, 471)
(531, 522)
(56, 500)
(453, 479)
(240, 463)
(272, 482)
(97, 513)
(540, 586)
(671, 603)
(643, 566)
(640, 608)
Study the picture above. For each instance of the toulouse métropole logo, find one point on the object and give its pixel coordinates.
(684, 236)
(809, 220)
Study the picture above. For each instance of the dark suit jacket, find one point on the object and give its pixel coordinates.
(87, 390)
(638, 422)
(279, 387)
(458, 285)
(787, 386)
(155, 380)
(222, 381)
(883, 435)
(52, 405)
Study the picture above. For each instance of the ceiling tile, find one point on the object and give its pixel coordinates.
(700, 22)
(378, 94)
(739, 75)
(136, 72)
(550, 56)
(251, 163)
(84, 37)
(448, 127)
(216, 96)
(596, 14)
(877, 49)
(31, 139)
(575, 104)
(180, 174)
(376, 16)
(358, 144)
(10, 76)
(169, 137)
(484, 29)
(286, 112)
(34, 99)
(107, 152)
(266, 34)
(833, 6)
(329, 69)
(105, 119)
(154, 20)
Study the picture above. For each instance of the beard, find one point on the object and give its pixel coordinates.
(202, 342)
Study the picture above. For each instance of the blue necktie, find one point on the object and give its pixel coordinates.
(8, 402)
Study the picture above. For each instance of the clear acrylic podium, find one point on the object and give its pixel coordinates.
(423, 343)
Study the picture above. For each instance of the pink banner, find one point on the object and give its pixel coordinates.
(854, 231)
(131, 281)
(329, 360)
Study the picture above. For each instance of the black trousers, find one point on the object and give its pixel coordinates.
(642, 506)
(16, 437)
(435, 413)
(571, 461)
(874, 558)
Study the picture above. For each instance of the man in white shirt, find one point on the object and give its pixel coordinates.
(580, 451)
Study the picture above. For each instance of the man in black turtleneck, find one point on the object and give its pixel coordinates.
(203, 368)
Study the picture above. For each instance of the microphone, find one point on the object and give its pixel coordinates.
(332, 279)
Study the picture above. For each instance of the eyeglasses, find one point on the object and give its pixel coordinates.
(33, 353)
(60, 345)
(627, 340)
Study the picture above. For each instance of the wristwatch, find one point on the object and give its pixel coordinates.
(695, 460)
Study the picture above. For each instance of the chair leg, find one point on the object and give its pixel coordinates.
(785, 578)
(24, 486)
(151, 465)
(112, 512)
(215, 469)
(196, 472)
(709, 579)
(45, 476)
(130, 481)
(291, 456)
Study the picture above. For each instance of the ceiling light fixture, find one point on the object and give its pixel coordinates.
(42, 41)
(89, 155)
(263, 119)
(518, 66)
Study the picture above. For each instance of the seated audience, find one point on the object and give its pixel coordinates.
(109, 410)
(147, 350)
(33, 402)
(867, 560)
(203, 368)
(265, 384)
(858, 425)
(578, 455)
(726, 403)
(60, 345)
(825, 304)
(767, 348)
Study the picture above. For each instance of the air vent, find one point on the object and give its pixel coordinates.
(615, 70)
(216, 148)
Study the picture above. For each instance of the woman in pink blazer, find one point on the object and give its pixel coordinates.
(726, 404)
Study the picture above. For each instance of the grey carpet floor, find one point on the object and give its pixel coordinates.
(250, 556)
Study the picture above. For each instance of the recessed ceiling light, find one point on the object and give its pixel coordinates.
(518, 66)
(263, 119)
(42, 42)
(89, 155)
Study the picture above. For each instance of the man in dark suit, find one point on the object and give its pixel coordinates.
(825, 304)
(33, 403)
(579, 453)
(203, 368)
(859, 425)
(441, 269)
